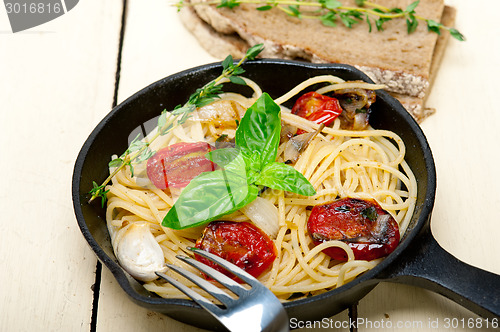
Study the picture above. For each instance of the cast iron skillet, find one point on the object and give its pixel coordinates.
(418, 260)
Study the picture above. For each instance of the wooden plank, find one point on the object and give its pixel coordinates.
(118, 313)
(156, 45)
(464, 137)
(57, 82)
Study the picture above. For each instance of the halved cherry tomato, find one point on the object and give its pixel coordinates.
(240, 243)
(176, 165)
(369, 230)
(317, 108)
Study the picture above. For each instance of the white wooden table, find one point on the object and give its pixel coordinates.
(58, 80)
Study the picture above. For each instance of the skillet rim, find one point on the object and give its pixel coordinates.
(130, 285)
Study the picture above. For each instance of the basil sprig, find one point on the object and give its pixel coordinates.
(245, 170)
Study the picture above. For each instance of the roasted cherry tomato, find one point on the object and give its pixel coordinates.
(369, 230)
(317, 108)
(240, 243)
(176, 165)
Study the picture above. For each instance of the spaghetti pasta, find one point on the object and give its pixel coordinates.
(365, 164)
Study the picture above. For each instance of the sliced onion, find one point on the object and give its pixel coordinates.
(299, 143)
(296, 145)
(264, 215)
(287, 131)
(360, 121)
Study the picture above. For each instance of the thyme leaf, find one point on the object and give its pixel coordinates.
(139, 151)
(329, 11)
(99, 191)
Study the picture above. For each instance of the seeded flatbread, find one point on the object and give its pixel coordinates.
(406, 64)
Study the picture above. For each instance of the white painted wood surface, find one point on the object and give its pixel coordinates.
(57, 82)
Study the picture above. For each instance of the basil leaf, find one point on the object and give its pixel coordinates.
(253, 166)
(238, 167)
(223, 157)
(259, 131)
(285, 177)
(208, 197)
(211, 195)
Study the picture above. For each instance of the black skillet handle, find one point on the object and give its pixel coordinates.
(427, 265)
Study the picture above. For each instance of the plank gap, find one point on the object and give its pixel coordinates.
(95, 303)
(120, 48)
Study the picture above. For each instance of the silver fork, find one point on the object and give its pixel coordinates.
(255, 309)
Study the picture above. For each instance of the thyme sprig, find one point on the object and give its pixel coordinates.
(329, 12)
(139, 151)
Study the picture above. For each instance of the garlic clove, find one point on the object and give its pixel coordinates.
(139, 253)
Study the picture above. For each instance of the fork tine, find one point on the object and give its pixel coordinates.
(256, 309)
(203, 302)
(215, 291)
(221, 278)
(240, 273)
